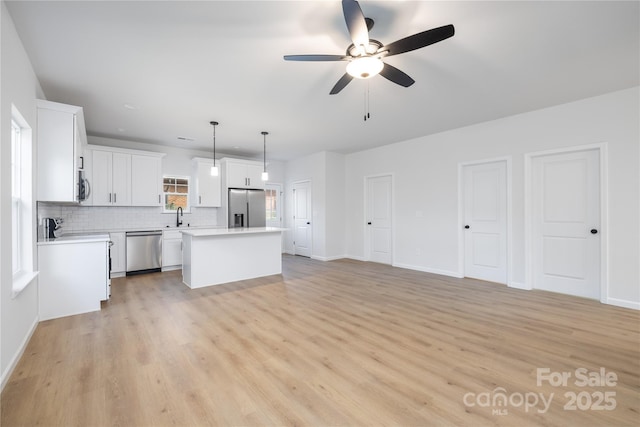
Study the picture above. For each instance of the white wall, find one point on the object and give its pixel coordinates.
(325, 170)
(20, 87)
(426, 179)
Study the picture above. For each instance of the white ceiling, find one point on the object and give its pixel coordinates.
(182, 64)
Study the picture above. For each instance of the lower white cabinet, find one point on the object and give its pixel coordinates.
(73, 279)
(118, 254)
(171, 250)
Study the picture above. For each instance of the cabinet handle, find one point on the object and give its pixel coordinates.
(109, 197)
(159, 199)
(199, 200)
(114, 197)
(81, 162)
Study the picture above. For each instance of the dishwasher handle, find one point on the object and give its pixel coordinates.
(144, 233)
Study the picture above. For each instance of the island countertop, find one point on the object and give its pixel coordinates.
(204, 232)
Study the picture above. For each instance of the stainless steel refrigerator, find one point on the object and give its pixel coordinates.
(246, 208)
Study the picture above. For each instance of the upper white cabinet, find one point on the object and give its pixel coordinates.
(61, 136)
(111, 178)
(243, 173)
(121, 177)
(146, 180)
(206, 188)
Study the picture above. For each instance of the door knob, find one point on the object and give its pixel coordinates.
(594, 231)
(467, 227)
(369, 223)
(308, 223)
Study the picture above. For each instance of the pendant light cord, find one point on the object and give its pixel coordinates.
(214, 124)
(264, 150)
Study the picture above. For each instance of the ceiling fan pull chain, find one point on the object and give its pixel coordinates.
(364, 105)
(368, 102)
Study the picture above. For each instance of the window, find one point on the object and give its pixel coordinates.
(176, 193)
(16, 202)
(271, 200)
(22, 218)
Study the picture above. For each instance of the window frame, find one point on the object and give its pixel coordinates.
(17, 219)
(186, 209)
(23, 209)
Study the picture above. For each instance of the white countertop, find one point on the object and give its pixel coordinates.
(76, 238)
(230, 231)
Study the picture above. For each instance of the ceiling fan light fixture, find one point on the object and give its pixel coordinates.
(365, 67)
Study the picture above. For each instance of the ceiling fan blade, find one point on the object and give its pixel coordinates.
(356, 23)
(344, 80)
(316, 58)
(396, 76)
(418, 40)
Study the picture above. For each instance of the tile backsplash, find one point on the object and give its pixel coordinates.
(79, 219)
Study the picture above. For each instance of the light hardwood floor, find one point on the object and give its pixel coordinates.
(337, 343)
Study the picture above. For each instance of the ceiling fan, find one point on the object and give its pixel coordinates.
(365, 54)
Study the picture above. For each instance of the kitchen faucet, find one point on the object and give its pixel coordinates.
(178, 215)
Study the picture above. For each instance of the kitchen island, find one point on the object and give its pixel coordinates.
(220, 255)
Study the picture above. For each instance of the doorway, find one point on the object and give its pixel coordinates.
(379, 221)
(302, 231)
(485, 217)
(565, 250)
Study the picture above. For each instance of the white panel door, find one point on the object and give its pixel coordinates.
(485, 221)
(566, 223)
(302, 218)
(379, 229)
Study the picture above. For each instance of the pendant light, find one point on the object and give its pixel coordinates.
(214, 168)
(265, 174)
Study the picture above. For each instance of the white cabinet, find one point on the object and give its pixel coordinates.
(74, 278)
(146, 180)
(206, 188)
(121, 177)
(171, 250)
(243, 173)
(118, 254)
(111, 178)
(60, 137)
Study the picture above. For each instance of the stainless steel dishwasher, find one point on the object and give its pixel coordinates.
(144, 251)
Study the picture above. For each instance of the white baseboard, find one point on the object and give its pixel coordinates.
(518, 285)
(171, 268)
(16, 357)
(430, 270)
(327, 258)
(355, 257)
(623, 303)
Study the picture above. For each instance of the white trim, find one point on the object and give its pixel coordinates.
(509, 214)
(623, 303)
(327, 258)
(604, 210)
(429, 270)
(518, 285)
(367, 245)
(21, 281)
(16, 357)
(355, 258)
(125, 150)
